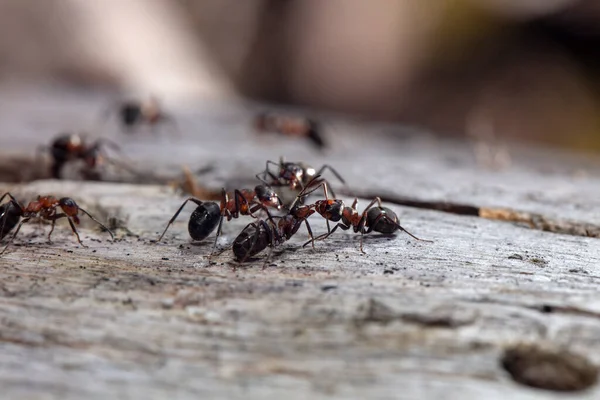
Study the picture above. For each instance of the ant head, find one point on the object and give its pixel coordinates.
(69, 206)
(267, 196)
(330, 209)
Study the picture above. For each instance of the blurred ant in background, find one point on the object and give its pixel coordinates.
(135, 113)
(208, 215)
(67, 147)
(45, 208)
(291, 126)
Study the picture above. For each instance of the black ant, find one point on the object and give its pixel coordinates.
(70, 147)
(134, 113)
(290, 126)
(295, 175)
(210, 214)
(45, 208)
(373, 218)
(257, 236)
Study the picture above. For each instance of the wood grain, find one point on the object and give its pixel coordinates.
(137, 319)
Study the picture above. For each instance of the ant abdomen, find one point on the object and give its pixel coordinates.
(9, 218)
(387, 224)
(204, 220)
(131, 113)
(252, 240)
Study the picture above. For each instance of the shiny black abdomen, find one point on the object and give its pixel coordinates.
(242, 245)
(9, 218)
(204, 220)
(387, 224)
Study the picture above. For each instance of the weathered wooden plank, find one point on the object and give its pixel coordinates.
(406, 320)
(146, 320)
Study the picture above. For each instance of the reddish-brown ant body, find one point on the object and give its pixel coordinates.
(45, 207)
(290, 126)
(209, 214)
(70, 147)
(259, 235)
(295, 175)
(374, 217)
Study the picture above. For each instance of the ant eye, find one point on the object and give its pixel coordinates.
(67, 202)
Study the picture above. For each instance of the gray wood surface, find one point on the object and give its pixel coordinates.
(408, 319)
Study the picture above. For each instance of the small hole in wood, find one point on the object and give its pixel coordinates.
(557, 370)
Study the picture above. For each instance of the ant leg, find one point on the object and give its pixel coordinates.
(308, 189)
(239, 201)
(333, 171)
(267, 171)
(109, 143)
(11, 197)
(75, 231)
(326, 235)
(98, 222)
(310, 233)
(224, 212)
(271, 247)
(216, 237)
(192, 199)
(24, 220)
(53, 219)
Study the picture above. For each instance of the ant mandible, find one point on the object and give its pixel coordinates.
(44, 207)
(374, 217)
(208, 215)
(290, 126)
(69, 147)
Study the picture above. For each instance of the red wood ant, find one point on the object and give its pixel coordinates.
(70, 147)
(257, 236)
(295, 175)
(208, 215)
(373, 218)
(44, 207)
(134, 113)
(290, 126)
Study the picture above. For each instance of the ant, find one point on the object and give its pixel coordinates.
(257, 236)
(373, 218)
(69, 147)
(44, 207)
(290, 126)
(134, 113)
(208, 215)
(295, 175)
